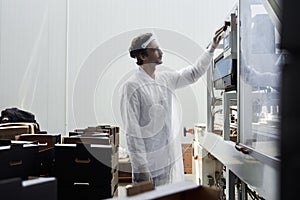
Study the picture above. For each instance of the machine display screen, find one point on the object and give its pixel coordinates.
(226, 41)
(223, 67)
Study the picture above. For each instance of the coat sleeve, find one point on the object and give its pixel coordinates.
(192, 73)
(130, 112)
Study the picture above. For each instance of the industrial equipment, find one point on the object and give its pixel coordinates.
(239, 150)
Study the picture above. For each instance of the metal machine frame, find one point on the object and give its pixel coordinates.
(255, 170)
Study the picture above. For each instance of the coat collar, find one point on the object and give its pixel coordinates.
(142, 74)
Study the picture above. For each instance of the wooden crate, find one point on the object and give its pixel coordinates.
(187, 154)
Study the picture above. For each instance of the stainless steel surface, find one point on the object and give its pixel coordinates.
(263, 178)
(230, 37)
(228, 98)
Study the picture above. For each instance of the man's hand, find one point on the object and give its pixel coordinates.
(143, 175)
(217, 37)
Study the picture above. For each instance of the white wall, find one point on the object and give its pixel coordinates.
(36, 67)
(32, 59)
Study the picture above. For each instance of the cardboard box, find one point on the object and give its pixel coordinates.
(33, 189)
(31, 125)
(177, 191)
(86, 140)
(18, 160)
(138, 188)
(46, 144)
(200, 192)
(45, 141)
(125, 170)
(187, 155)
(9, 132)
(112, 132)
(86, 169)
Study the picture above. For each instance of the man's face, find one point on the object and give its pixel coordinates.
(154, 53)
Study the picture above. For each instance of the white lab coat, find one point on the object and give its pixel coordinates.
(150, 119)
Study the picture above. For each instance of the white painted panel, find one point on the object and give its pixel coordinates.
(32, 69)
(56, 117)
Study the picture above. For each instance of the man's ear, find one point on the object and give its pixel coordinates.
(143, 57)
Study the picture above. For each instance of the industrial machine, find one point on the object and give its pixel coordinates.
(237, 150)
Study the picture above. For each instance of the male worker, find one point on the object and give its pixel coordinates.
(147, 112)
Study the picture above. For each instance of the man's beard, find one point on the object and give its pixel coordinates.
(159, 62)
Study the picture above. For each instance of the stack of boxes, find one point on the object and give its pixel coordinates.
(83, 165)
(19, 175)
(86, 164)
(46, 142)
(18, 160)
(10, 130)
